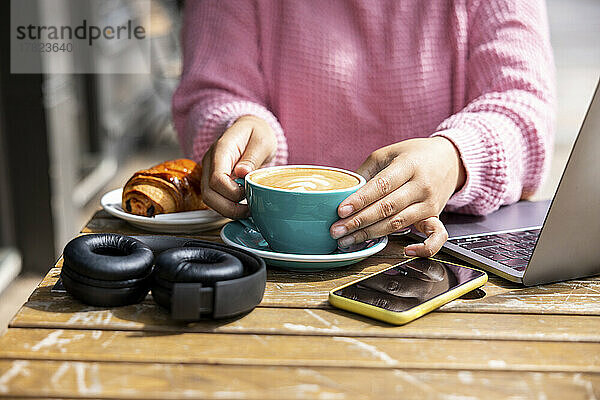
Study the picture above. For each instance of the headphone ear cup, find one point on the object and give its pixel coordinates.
(104, 297)
(192, 265)
(107, 269)
(108, 256)
(197, 264)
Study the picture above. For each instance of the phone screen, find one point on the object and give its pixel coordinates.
(408, 285)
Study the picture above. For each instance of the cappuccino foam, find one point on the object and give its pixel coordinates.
(305, 179)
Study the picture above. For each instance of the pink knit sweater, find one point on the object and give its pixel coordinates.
(338, 79)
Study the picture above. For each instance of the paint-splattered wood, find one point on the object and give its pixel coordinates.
(295, 346)
(26, 378)
(288, 289)
(53, 310)
(292, 350)
(291, 289)
(147, 316)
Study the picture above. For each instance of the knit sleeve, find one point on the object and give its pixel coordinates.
(505, 133)
(222, 78)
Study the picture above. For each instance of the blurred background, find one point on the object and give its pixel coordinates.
(67, 139)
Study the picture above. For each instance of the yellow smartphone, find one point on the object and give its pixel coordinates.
(407, 290)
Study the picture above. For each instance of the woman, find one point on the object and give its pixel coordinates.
(440, 104)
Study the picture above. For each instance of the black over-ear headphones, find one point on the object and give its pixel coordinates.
(194, 279)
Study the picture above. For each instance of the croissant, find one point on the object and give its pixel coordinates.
(169, 187)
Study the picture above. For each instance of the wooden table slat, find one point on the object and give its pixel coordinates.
(167, 381)
(288, 289)
(65, 313)
(314, 351)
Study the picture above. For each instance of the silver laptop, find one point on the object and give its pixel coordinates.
(540, 242)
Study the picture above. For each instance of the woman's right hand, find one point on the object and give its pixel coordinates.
(248, 144)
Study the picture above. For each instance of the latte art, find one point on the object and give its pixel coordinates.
(305, 179)
(315, 182)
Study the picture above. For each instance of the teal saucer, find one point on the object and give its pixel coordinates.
(245, 237)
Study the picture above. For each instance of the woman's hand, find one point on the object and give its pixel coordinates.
(408, 183)
(245, 146)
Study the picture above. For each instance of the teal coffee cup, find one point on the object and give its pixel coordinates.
(293, 206)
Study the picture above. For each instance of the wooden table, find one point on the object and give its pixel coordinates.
(540, 342)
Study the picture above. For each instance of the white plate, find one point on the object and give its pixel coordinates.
(184, 222)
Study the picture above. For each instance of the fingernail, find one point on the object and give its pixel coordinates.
(338, 231)
(246, 167)
(346, 210)
(345, 242)
(410, 252)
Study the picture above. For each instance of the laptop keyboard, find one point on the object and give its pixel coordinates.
(512, 249)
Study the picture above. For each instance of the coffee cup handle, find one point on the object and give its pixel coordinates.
(247, 222)
(240, 181)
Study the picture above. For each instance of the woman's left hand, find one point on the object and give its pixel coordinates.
(407, 183)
